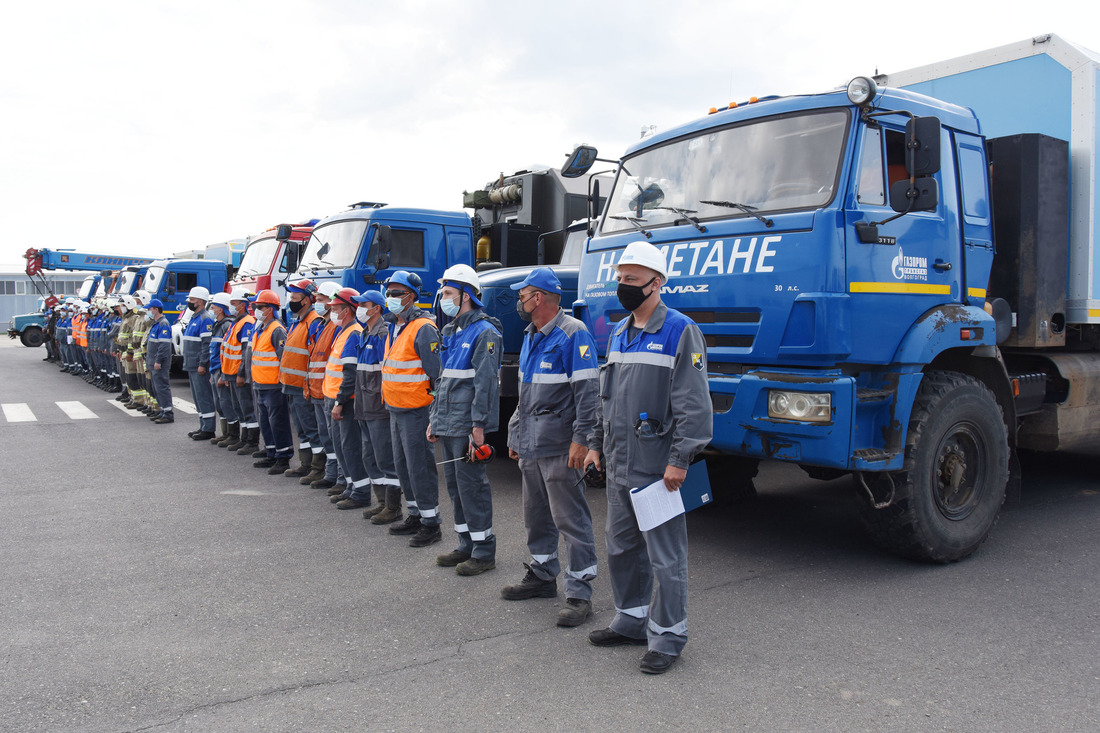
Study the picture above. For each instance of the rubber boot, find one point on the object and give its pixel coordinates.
(232, 435)
(253, 443)
(239, 440)
(379, 504)
(223, 428)
(392, 512)
(317, 471)
(305, 460)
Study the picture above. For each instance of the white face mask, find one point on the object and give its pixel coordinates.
(319, 309)
(333, 317)
(260, 314)
(450, 307)
(394, 304)
(361, 313)
(148, 316)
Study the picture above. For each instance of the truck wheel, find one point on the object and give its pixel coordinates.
(31, 337)
(950, 490)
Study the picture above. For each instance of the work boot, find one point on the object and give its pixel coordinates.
(426, 535)
(232, 435)
(337, 489)
(410, 526)
(223, 427)
(452, 558)
(337, 497)
(475, 566)
(259, 453)
(202, 435)
(316, 471)
(532, 586)
(387, 516)
(265, 462)
(575, 613)
(322, 483)
(350, 503)
(305, 464)
(115, 386)
(164, 419)
(154, 414)
(379, 502)
(253, 443)
(280, 466)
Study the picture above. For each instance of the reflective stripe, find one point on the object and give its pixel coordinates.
(480, 536)
(161, 340)
(208, 414)
(582, 374)
(330, 456)
(429, 513)
(369, 367)
(404, 377)
(304, 445)
(462, 528)
(680, 629)
(549, 378)
(641, 357)
(360, 483)
(543, 559)
(295, 350)
(417, 364)
(295, 372)
(349, 360)
(386, 482)
(192, 338)
(458, 373)
(586, 574)
(636, 612)
(318, 364)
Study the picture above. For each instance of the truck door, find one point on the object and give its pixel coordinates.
(412, 247)
(916, 263)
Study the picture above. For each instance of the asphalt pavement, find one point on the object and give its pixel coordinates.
(150, 583)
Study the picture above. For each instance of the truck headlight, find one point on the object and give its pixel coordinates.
(802, 406)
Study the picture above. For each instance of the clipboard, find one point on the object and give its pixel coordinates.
(655, 504)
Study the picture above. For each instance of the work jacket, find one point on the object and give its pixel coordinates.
(411, 364)
(467, 394)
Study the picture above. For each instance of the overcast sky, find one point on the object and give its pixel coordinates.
(154, 127)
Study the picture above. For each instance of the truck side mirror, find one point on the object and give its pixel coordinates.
(594, 202)
(292, 254)
(382, 244)
(922, 146)
(924, 195)
(579, 161)
(283, 232)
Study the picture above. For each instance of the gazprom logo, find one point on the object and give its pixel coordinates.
(909, 268)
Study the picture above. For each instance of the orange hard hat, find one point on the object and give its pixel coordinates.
(345, 295)
(267, 297)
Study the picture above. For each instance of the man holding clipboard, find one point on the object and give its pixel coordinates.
(654, 417)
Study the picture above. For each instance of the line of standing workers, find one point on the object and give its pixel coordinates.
(371, 385)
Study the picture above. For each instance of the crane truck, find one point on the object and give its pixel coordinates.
(897, 280)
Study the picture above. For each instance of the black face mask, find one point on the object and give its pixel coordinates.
(296, 305)
(191, 307)
(631, 296)
(524, 315)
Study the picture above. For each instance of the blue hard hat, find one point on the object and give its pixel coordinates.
(406, 279)
(155, 303)
(371, 296)
(542, 278)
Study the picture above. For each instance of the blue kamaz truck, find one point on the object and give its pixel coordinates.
(895, 281)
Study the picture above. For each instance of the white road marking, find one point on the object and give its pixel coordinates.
(76, 410)
(184, 406)
(242, 492)
(121, 406)
(18, 412)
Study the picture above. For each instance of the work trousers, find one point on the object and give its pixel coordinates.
(227, 403)
(243, 404)
(471, 499)
(274, 422)
(161, 388)
(554, 504)
(348, 442)
(414, 460)
(324, 429)
(204, 400)
(378, 455)
(305, 422)
(635, 559)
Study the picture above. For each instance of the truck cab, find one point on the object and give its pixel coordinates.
(269, 261)
(360, 248)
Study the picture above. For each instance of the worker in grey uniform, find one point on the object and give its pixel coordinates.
(158, 360)
(548, 435)
(466, 407)
(655, 416)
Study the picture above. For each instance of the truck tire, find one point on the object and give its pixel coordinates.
(950, 490)
(32, 336)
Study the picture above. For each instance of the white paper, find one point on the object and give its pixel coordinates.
(655, 504)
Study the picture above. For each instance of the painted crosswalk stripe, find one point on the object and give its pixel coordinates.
(18, 412)
(76, 410)
(184, 406)
(124, 408)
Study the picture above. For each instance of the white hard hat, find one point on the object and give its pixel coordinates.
(461, 274)
(238, 294)
(222, 299)
(199, 292)
(128, 302)
(645, 255)
(329, 288)
(142, 295)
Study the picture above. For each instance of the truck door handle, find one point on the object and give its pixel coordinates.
(941, 266)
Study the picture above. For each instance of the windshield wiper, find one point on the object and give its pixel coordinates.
(633, 221)
(742, 207)
(685, 214)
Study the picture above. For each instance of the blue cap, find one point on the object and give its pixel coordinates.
(371, 296)
(155, 303)
(542, 278)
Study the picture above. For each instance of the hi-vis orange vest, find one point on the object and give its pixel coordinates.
(318, 360)
(405, 384)
(334, 368)
(80, 330)
(265, 362)
(232, 352)
(294, 367)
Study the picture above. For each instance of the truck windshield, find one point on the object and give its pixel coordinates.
(125, 283)
(333, 246)
(258, 257)
(86, 288)
(765, 165)
(574, 245)
(153, 278)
